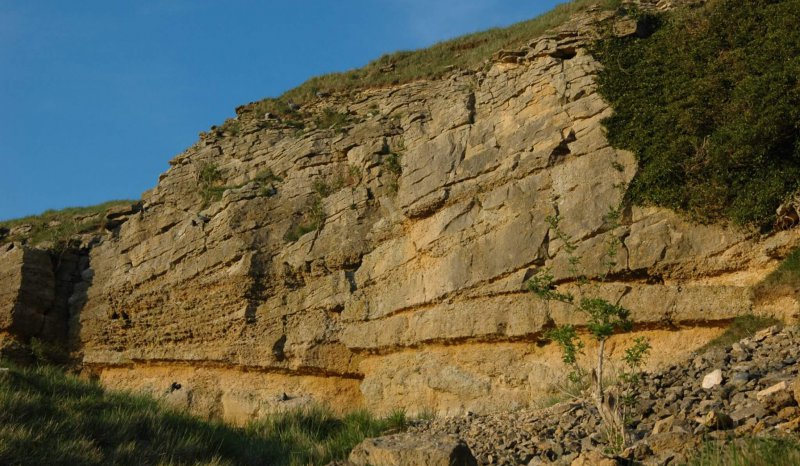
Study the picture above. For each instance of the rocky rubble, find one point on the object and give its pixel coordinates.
(757, 394)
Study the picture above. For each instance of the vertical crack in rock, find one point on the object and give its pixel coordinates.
(471, 108)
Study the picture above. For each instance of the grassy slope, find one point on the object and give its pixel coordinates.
(47, 417)
(464, 52)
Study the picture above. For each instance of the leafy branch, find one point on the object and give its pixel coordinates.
(603, 319)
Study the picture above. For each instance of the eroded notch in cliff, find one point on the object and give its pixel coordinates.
(471, 108)
(350, 276)
(278, 348)
(562, 149)
(564, 53)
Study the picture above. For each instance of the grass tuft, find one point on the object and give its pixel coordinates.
(749, 452)
(741, 327)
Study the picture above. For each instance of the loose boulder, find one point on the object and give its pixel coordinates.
(594, 458)
(407, 450)
(716, 420)
(712, 379)
(777, 396)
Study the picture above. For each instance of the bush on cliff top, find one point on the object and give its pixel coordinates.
(710, 105)
(47, 417)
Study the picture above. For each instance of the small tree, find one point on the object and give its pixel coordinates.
(603, 319)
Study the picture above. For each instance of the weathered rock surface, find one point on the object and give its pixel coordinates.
(26, 290)
(383, 264)
(38, 293)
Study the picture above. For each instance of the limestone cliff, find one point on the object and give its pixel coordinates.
(381, 260)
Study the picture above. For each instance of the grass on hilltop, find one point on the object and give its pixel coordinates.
(465, 52)
(47, 417)
(57, 226)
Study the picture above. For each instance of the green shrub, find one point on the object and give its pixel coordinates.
(311, 219)
(345, 176)
(267, 179)
(267, 176)
(297, 231)
(57, 227)
(46, 353)
(232, 126)
(354, 175)
(323, 188)
(331, 119)
(710, 105)
(209, 180)
(603, 319)
(391, 162)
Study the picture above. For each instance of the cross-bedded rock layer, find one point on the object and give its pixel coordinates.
(427, 215)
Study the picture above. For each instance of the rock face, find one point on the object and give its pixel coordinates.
(382, 263)
(26, 291)
(38, 293)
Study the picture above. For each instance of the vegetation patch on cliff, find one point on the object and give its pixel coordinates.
(47, 417)
(787, 275)
(741, 327)
(56, 227)
(710, 105)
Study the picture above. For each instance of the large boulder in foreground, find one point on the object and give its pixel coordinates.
(408, 450)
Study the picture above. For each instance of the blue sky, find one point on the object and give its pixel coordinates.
(96, 96)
